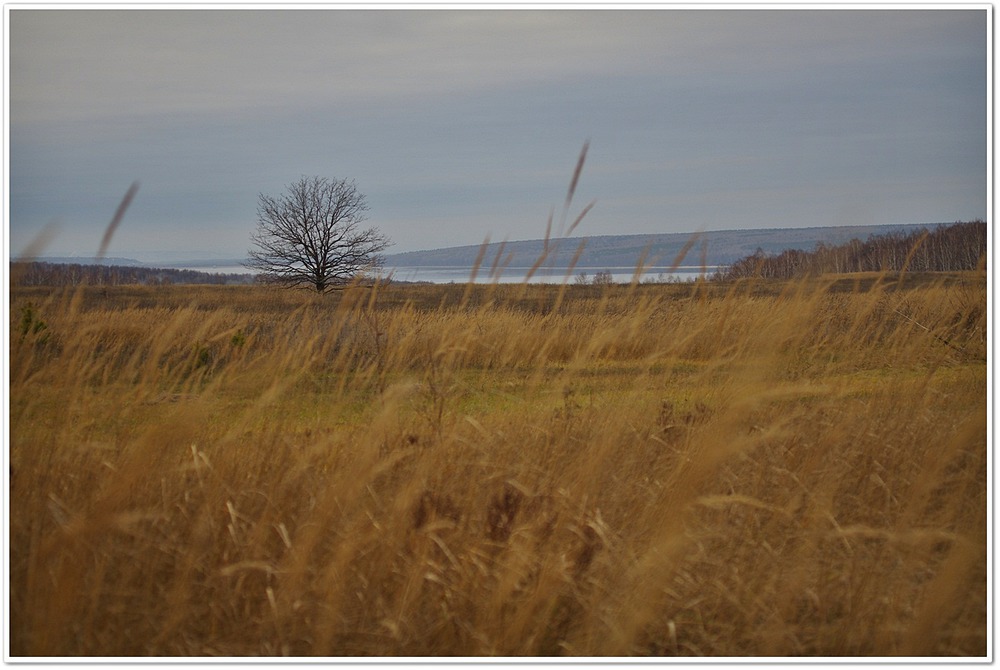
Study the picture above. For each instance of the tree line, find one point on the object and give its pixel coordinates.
(41, 273)
(955, 247)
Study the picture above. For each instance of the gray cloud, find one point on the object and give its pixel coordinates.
(462, 123)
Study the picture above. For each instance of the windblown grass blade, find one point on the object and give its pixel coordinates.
(117, 219)
(679, 258)
(39, 242)
(32, 251)
(579, 218)
(546, 251)
(909, 256)
(572, 189)
(576, 174)
(480, 257)
(569, 273)
(497, 268)
(640, 267)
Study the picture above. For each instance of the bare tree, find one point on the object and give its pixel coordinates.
(604, 278)
(312, 236)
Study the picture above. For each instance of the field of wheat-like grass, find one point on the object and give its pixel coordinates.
(721, 470)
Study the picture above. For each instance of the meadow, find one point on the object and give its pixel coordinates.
(751, 468)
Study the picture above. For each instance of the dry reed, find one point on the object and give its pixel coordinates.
(684, 470)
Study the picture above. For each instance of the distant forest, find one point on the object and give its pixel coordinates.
(40, 273)
(959, 246)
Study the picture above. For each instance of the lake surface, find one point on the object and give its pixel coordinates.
(461, 275)
(212, 269)
(620, 275)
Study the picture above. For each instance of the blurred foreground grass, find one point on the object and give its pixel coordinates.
(706, 469)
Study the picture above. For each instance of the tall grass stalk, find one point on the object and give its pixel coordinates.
(677, 470)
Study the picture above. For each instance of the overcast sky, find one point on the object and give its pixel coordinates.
(458, 124)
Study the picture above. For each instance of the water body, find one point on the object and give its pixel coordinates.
(516, 275)
(511, 275)
(214, 269)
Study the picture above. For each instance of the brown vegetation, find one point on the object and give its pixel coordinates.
(43, 273)
(957, 247)
(737, 469)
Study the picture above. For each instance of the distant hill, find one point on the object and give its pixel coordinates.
(84, 260)
(721, 247)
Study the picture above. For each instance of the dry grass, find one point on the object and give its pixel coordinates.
(704, 470)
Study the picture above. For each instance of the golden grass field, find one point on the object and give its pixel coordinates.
(722, 470)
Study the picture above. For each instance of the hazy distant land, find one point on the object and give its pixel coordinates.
(720, 247)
